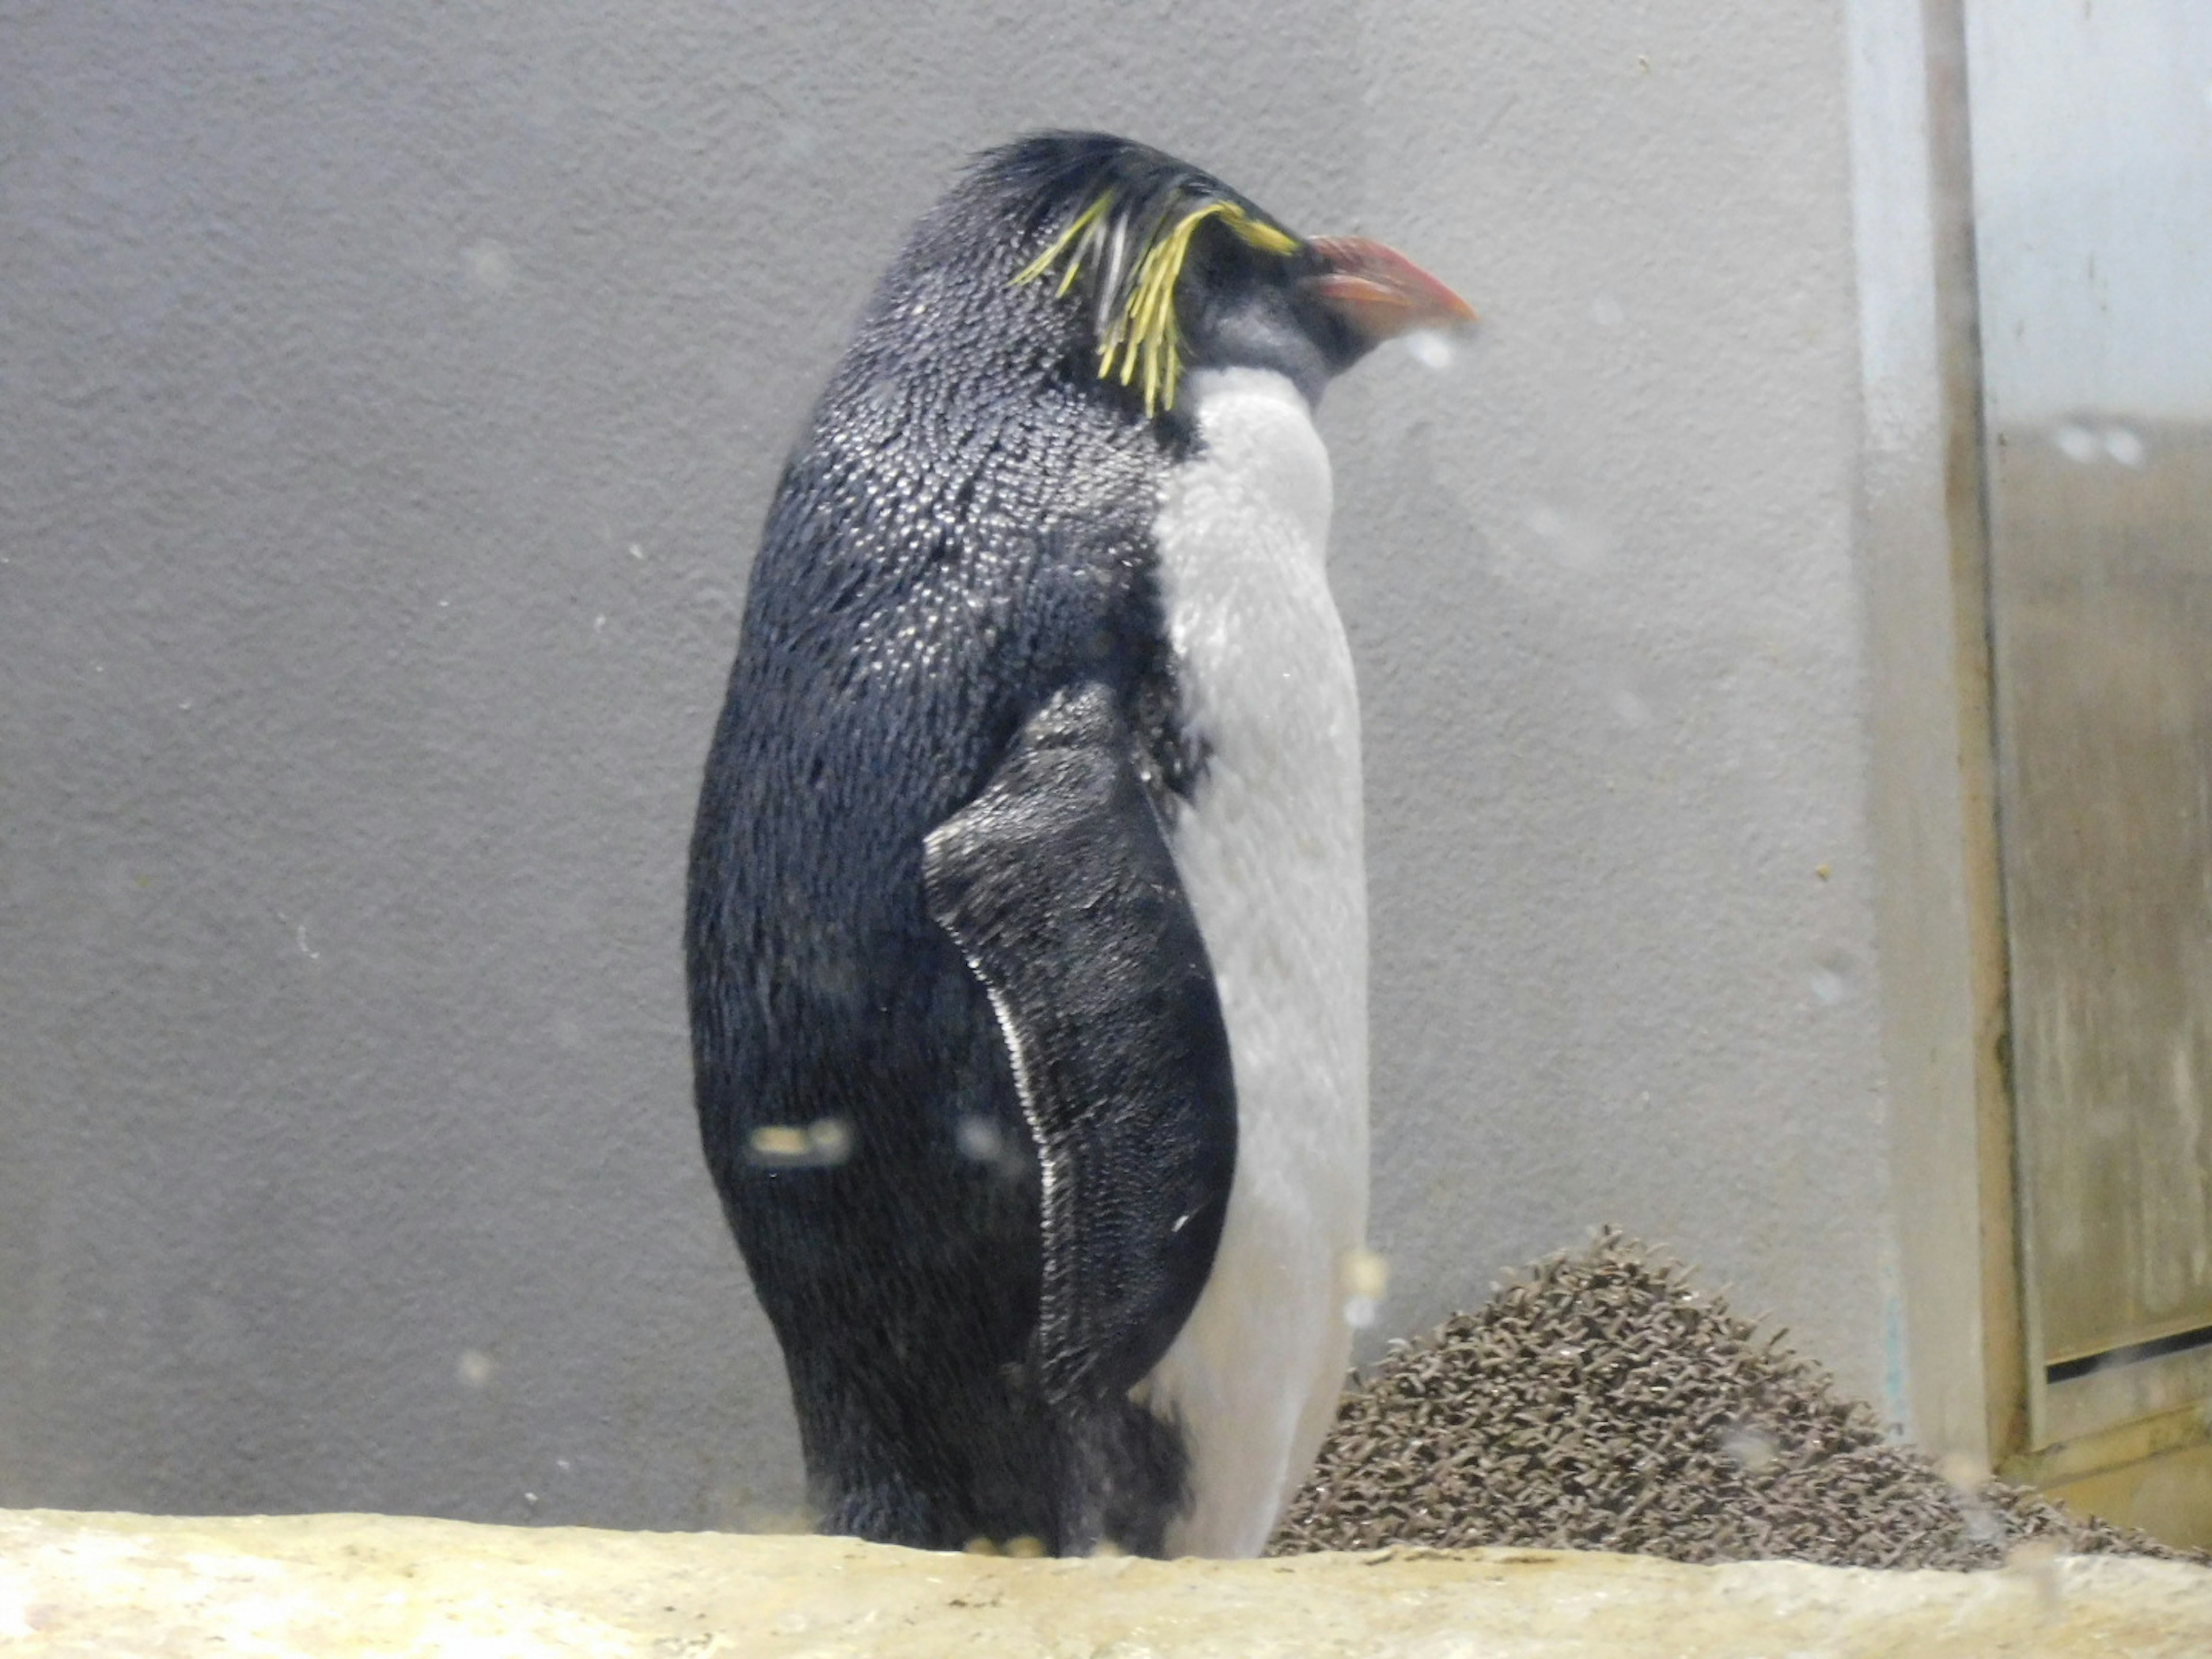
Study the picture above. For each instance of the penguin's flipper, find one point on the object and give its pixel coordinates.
(1057, 885)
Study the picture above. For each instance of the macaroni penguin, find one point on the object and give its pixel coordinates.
(1026, 924)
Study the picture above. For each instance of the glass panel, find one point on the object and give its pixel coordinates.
(2093, 162)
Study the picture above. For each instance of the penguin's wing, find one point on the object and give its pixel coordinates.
(1057, 885)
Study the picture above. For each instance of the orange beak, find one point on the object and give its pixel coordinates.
(1380, 293)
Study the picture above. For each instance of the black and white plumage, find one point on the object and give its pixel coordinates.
(1026, 930)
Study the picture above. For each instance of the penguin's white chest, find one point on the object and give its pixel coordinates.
(1269, 852)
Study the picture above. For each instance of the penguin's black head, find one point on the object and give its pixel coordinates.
(1173, 271)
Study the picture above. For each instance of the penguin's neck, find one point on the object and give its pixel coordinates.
(1257, 456)
(1269, 850)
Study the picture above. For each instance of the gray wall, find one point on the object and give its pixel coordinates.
(389, 397)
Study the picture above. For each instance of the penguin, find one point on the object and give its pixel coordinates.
(1026, 928)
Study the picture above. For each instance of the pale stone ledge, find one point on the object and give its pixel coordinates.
(116, 1586)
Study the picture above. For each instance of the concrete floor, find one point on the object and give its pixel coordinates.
(115, 1585)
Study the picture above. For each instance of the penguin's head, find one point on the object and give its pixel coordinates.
(1172, 270)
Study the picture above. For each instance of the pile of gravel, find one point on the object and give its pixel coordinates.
(1599, 1403)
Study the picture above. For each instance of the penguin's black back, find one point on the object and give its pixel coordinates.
(964, 530)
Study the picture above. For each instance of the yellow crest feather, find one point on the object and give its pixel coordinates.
(1143, 332)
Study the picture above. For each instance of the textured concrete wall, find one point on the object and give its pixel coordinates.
(389, 397)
